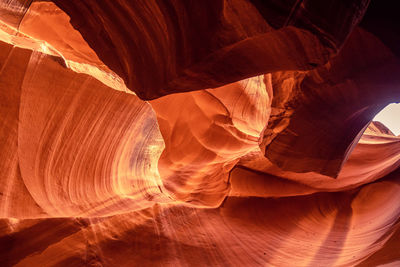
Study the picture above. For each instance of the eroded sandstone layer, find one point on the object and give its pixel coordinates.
(198, 133)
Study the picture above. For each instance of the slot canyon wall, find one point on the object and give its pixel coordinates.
(198, 133)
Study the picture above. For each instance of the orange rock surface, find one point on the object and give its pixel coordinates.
(198, 133)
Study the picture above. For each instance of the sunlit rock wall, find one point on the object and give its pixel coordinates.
(198, 133)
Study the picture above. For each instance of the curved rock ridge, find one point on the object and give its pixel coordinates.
(377, 127)
(206, 133)
(74, 158)
(191, 45)
(121, 172)
(44, 27)
(375, 156)
(324, 229)
(318, 117)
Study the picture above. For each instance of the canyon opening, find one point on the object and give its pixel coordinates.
(199, 133)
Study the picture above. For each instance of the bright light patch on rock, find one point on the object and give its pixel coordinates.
(199, 133)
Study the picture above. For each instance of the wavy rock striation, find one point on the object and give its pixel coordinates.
(210, 133)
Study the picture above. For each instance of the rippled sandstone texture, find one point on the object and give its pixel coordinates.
(211, 133)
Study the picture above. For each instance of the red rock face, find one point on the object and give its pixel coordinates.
(210, 133)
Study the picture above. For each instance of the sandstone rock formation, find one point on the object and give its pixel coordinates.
(378, 128)
(198, 133)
